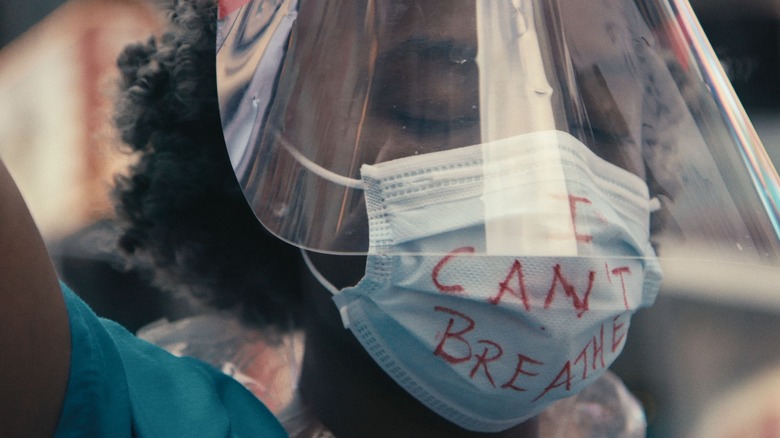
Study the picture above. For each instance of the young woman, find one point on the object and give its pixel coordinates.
(458, 324)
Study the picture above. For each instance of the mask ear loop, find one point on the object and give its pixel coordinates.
(316, 168)
(318, 275)
(326, 284)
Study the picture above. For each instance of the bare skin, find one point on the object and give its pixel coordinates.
(34, 335)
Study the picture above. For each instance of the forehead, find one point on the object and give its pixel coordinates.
(592, 21)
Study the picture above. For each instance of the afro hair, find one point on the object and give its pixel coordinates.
(181, 211)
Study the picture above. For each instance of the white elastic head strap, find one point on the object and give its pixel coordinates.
(317, 274)
(316, 168)
(326, 284)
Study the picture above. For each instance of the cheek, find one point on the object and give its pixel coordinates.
(398, 143)
(613, 104)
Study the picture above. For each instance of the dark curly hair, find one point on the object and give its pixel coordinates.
(180, 208)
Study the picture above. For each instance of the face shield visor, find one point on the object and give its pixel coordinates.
(530, 99)
(570, 144)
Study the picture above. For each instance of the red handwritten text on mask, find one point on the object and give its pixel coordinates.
(513, 285)
(575, 214)
(573, 200)
(454, 288)
(459, 346)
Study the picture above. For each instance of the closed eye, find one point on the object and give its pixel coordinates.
(424, 90)
(424, 125)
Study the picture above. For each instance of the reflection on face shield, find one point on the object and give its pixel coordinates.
(415, 88)
(421, 83)
(358, 83)
(498, 162)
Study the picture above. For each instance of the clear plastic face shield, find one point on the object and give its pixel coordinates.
(312, 91)
(513, 171)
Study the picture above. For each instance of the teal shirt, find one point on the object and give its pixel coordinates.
(121, 386)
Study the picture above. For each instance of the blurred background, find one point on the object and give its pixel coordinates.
(57, 75)
(702, 360)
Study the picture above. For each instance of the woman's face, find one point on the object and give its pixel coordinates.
(368, 82)
(376, 81)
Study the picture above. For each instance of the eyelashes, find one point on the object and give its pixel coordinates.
(423, 124)
(427, 87)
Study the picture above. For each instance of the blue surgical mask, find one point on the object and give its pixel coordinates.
(501, 277)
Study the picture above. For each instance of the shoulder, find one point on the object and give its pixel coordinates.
(121, 384)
